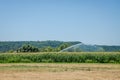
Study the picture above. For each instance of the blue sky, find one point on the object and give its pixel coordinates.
(88, 21)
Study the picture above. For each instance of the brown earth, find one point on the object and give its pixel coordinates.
(59, 71)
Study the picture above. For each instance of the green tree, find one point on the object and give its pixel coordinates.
(27, 48)
(63, 46)
(47, 49)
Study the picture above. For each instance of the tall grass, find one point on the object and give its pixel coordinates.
(80, 57)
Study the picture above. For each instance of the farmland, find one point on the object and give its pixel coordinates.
(59, 71)
(60, 66)
(61, 57)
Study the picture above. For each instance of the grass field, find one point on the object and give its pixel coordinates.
(59, 71)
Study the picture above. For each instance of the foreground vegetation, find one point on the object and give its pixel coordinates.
(80, 57)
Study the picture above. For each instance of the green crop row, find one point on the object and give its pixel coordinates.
(81, 57)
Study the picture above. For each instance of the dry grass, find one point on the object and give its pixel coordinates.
(62, 71)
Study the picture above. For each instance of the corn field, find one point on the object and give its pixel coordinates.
(62, 57)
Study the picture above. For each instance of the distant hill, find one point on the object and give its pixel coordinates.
(75, 46)
(110, 48)
(91, 48)
(6, 46)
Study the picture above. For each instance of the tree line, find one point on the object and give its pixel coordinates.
(10, 46)
(44, 46)
(30, 48)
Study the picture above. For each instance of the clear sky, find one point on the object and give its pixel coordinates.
(88, 21)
